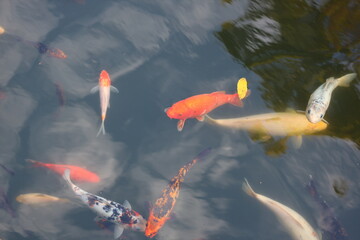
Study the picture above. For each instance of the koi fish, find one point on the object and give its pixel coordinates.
(121, 215)
(5, 203)
(320, 99)
(38, 198)
(11, 172)
(273, 124)
(199, 105)
(60, 94)
(104, 88)
(295, 224)
(77, 173)
(160, 212)
(333, 228)
(41, 47)
(2, 30)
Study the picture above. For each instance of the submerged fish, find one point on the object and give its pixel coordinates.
(272, 124)
(104, 88)
(295, 224)
(332, 228)
(160, 212)
(199, 105)
(120, 214)
(5, 203)
(2, 30)
(42, 47)
(320, 99)
(77, 173)
(38, 198)
(11, 172)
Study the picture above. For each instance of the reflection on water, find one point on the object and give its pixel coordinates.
(158, 53)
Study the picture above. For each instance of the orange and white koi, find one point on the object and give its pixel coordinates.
(160, 212)
(122, 215)
(104, 88)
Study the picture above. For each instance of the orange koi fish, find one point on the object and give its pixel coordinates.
(77, 173)
(160, 212)
(199, 105)
(104, 88)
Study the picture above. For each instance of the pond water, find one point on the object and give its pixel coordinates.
(158, 53)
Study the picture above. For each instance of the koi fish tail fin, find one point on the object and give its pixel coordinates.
(64, 200)
(210, 120)
(235, 100)
(34, 163)
(101, 129)
(247, 188)
(345, 81)
(66, 176)
(200, 157)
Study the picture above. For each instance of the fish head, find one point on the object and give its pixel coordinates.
(104, 79)
(61, 54)
(138, 222)
(315, 112)
(153, 225)
(176, 112)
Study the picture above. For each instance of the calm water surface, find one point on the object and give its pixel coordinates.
(157, 53)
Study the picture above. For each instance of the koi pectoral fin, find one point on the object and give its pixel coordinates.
(118, 230)
(94, 89)
(180, 125)
(114, 89)
(127, 204)
(200, 118)
(296, 141)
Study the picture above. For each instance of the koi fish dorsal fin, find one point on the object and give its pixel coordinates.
(118, 230)
(126, 204)
(218, 92)
(345, 81)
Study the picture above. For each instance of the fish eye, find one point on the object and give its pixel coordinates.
(135, 221)
(322, 115)
(308, 111)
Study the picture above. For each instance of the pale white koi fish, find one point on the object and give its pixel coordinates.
(320, 99)
(104, 88)
(120, 214)
(294, 223)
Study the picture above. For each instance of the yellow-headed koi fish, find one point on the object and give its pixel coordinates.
(295, 224)
(104, 88)
(160, 212)
(39, 198)
(272, 124)
(320, 99)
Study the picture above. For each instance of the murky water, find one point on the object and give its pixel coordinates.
(157, 53)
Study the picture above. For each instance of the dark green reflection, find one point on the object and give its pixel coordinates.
(294, 46)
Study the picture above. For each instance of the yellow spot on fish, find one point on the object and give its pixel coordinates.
(2, 30)
(242, 88)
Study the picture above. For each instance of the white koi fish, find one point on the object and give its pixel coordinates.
(320, 99)
(120, 214)
(104, 88)
(295, 224)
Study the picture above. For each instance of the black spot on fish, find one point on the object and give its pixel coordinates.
(42, 47)
(107, 208)
(126, 217)
(92, 200)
